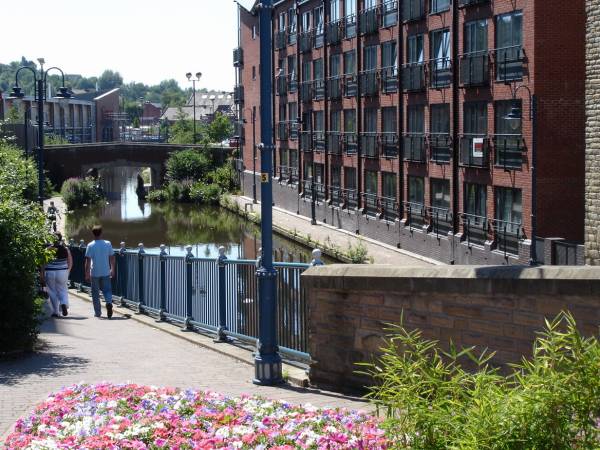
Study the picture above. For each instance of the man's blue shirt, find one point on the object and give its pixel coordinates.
(99, 251)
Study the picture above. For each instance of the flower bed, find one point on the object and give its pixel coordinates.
(128, 416)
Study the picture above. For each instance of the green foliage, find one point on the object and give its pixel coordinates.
(56, 139)
(14, 116)
(549, 402)
(219, 129)
(358, 253)
(79, 192)
(224, 177)
(157, 196)
(179, 190)
(110, 80)
(188, 164)
(18, 176)
(208, 194)
(136, 122)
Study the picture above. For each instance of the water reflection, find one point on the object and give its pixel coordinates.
(124, 218)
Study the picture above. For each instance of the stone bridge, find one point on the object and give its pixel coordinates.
(74, 160)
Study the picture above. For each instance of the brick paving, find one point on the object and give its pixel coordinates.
(81, 348)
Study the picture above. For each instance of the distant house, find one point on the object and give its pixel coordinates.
(151, 113)
(207, 104)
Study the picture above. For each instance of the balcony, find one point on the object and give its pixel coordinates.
(318, 89)
(440, 148)
(474, 69)
(350, 86)
(293, 130)
(414, 147)
(238, 94)
(292, 83)
(416, 214)
(350, 198)
(306, 91)
(350, 26)
(441, 220)
(389, 80)
(413, 77)
(368, 83)
(306, 41)
(282, 84)
(389, 144)
(465, 3)
(413, 10)
(319, 141)
(292, 36)
(509, 151)
(284, 173)
(369, 21)
(440, 70)
(509, 63)
(334, 88)
(370, 204)
(334, 142)
(389, 208)
(334, 32)
(507, 235)
(475, 228)
(282, 131)
(319, 39)
(350, 142)
(305, 141)
(474, 151)
(280, 39)
(238, 57)
(389, 13)
(368, 144)
(336, 196)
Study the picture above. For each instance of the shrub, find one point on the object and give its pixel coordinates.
(224, 177)
(205, 193)
(188, 164)
(551, 401)
(23, 235)
(77, 192)
(157, 196)
(357, 253)
(179, 191)
(18, 176)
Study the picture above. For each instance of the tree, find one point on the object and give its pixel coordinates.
(110, 80)
(220, 128)
(182, 131)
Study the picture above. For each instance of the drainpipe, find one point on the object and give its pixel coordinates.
(455, 121)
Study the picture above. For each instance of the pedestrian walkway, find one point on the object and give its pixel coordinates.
(81, 348)
(62, 209)
(321, 232)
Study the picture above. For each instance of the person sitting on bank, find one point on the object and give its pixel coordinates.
(99, 269)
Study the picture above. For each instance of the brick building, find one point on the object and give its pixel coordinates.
(401, 119)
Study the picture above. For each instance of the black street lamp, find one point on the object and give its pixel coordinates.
(63, 95)
(193, 80)
(515, 120)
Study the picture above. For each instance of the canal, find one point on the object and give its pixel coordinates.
(125, 218)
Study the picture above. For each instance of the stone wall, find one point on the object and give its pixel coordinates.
(500, 308)
(592, 194)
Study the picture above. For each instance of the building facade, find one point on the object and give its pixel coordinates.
(416, 122)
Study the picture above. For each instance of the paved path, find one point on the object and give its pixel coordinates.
(82, 348)
(321, 232)
(62, 209)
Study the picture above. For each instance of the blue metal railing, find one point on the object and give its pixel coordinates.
(204, 294)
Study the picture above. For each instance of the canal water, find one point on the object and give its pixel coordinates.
(125, 218)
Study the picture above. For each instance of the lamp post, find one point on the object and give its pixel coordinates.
(515, 120)
(40, 95)
(193, 80)
(267, 362)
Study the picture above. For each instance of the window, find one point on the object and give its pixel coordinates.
(440, 194)
(416, 191)
(475, 118)
(509, 41)
(350, 177)
(371, 182)
(282, 112)
(292, 20)
(502, 109)
(306, 22)
(509, 208)
(253, 31)
(281, 22)
(306, 70)
(318, 19)
(389, 185)
(389, 56)
(335, 65)
(319, 120)
(350, 62)
(416, 119)
(291, 67)
(254, 72)
(440, 55)
(476, 36)
(476, 200)
(440, 119)
(350, 121)
(350, 14)
(370, 57)
(370, 120)
(415, 49)
(334, 10)
(389, 123)
(318, 69)
(319, 173)
(390, 13)
(350, 7)
(336, 176)
(370, 4)
(439, 6)
(335, 120)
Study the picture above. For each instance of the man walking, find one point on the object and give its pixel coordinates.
(99, 269)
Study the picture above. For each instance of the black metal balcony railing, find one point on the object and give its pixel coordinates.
(350, 86)
(474, 69)
(312, 188)
(305, 141)
(368, 144)
(507, 235)
(369, 21)
(350, 198)
(282, 131)
(306, 91)
(440, 148)
(509, 151)
(509, 63)
(370, 204)
(238, 94)
(294, 173)
(475, 228)
(292, 35)
(284, 173)
(389, 79)
(413, 76)
(307, 188)
(414, 147)
(368, 83)
(319, 89)
(319, 190)
(389, 144)
(350, 143)
(319, 39)
(463, 3)
(440, 70)
(474, 151)
(336, 196)
(440, 219)
(292, 83)
(319, 141)
(282, 84)
(389, 13)
(350, 26)
(238, 57)
(280, 39)
(416, 214)
(306, 41)
(389, 208)
(334, 88)
(334, 142)
(413, 10)
(334, 32)
(293, 126)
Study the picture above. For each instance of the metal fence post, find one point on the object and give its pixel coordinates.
(316, 261)
(188, 289)
(82, 251)
(222, 337)
(163, 282)
(141, 252)
(122, 272)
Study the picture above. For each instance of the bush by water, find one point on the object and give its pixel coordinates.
(78, 192)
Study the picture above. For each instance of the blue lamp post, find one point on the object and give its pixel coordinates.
(267, 362)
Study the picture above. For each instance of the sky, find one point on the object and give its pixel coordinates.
(144, 40)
